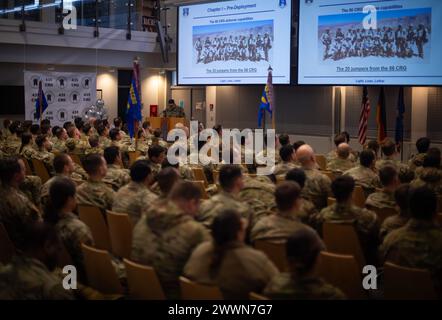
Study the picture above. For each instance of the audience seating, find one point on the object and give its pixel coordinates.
(7, 248)
(330, 201)
(100, 271)
(401, 283)
(27, 166)
(215, 176)
(201, 186)
(200, 176)
(76, 159)
(133, 156)
(342, 271)
(321, 161)
(120, 233)
(256, 296)
(341, 238)
(94, 219)
(143, 282)
(191, 290)
(359, 197)
(383, 213)
(40, 170)
(275, 252)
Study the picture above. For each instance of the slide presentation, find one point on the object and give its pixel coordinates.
(357, 42)
(234, 42)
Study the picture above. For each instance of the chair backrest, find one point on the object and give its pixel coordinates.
(256, 296)
(100, 272)
(120, 233)
(191, 290)
(343, 272)
(341, 238)
(133, 156)
(200, 176)
(321, 161)
(40, 170)
(76, 159)
(27, 166)
(274, 251)
(359, 197)
(201, 186)
(94, 219)
(7, 248)
(330, 201)
(215, 176)
(143, 282)
(383, 213)
(401, 283)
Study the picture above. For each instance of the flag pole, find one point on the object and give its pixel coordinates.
(40, 100)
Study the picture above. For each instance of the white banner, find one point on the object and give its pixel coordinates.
(67, 94)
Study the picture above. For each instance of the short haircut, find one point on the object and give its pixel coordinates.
(6, 123)
(296, 175)
(388, 147)
(298, 144)
(87, 128)
(14, 127)
(113, 133)
(58, 132)
(423, 144)
(286, 194)
(26, 138)
(35, 129)
(342, 188)
(8, 168)
(347, 136)
(387, 174)
(432, 158)
(140, 170)
(79, 123)
(284, 139)
(157, 133)
(339, 138)
(45, 128)
(166, 179)
(373, 145)
(423, 203)
(46, 122)
(402, 197)
(228, 174)
(111, 154)
(71, 131)
(303, 248)
(146, 125)
(40, 140)
(286, 153)
(94, 141)
(67, 125)
(118, 122)
(185, 190)
(101, 129)
(60, 161)
(155, 151)
(366, 158)
(92, 162)
(406, 175)
(343, 153)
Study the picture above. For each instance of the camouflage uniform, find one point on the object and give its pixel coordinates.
(259, 196)
(83, 143)
(47, 158)
(12, 145)
(164, 238)
(392, 223)
(116, 176)
(365, 177)
(174, 111)
(391, 162)
(96, 194)
(381, 200)
(45, 188)
(29, 279)
(124, 148)
(16, 213)
(186, 172)
(74, 146)
(276, 227)
(31, 187)
(317, 188)
(307, 212)
(210, 208)
(59, 146)
(242, 270)
(79, 173)
(284, 287)
(333, 155)
(417, 161)
(73, 232)
(281, 169)
(104, 142)
(95, 150)
(28, 152)
(340, 165)
(416, 245)
(430, 177)
(133, 199)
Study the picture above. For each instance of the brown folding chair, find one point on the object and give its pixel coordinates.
(274, 251)
(215, 176)
(321, 161)
(94, 219)
(383, 213)
(330, 201)
(100, 272)
(133, 156)
(7, 248)
(191, 290)
(76, 159)
(27, 166)
(401, 283)
(200, 176)
(256, 296)
(342, 271)
(359, 197)
(40, 170)
(143, 282)
(120, 233)
(341, 238)
(201, 186)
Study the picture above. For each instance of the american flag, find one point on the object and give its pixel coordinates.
(363, 120)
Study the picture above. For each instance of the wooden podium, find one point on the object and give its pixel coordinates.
(164, 122)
